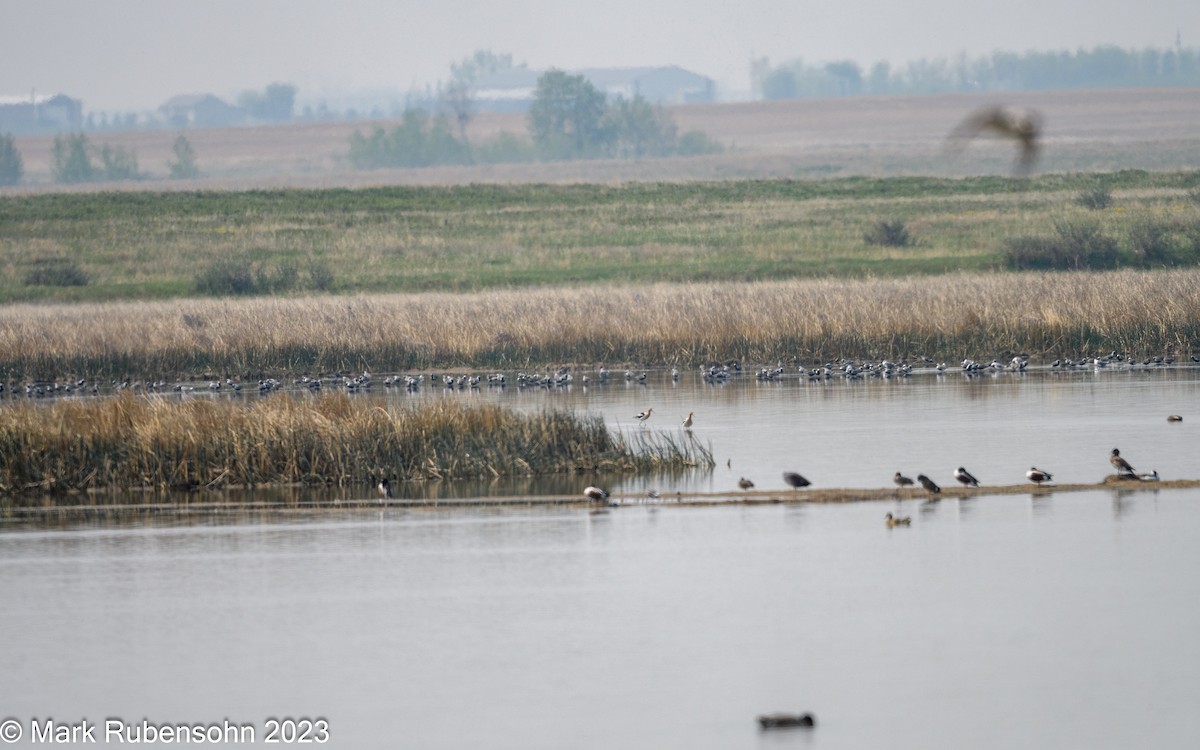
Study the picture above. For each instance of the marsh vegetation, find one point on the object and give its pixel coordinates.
(155, 442)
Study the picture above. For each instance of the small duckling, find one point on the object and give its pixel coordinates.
(894, 521)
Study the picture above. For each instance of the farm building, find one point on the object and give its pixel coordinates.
(40, 114)
(513, 90)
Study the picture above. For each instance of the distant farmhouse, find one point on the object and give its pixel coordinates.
(513, 90)
(40, 114)
(201, 111)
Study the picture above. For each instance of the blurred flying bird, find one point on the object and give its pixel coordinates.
(1022, 126)
(595, 493)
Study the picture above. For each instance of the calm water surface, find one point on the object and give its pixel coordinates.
(1068, 620)
(1064, 621)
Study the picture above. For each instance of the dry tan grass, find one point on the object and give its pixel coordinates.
(952, 316)
(133, 441)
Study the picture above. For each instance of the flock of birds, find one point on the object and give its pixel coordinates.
(961, 475)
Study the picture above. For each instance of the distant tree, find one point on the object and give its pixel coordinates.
(118, 163)
(848, 76)
(780, 84)
(640, 130)
(72, 163)
(566, 118)
(481, 64)
(276, 104)
(184, 166)
(459, 98)
(419, 141)
(11, 167)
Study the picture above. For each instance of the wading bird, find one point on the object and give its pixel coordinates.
(901, 480)
(1037, 476)
(964, 476)
(1121, 465)
(385, 489)
(643, 416)
(795, 480)
(893, 521)
(1022, 126)
(687, 421)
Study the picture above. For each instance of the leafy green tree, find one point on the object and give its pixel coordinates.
(566, 118)
(11, 167)
(640, 129)
(419, 141)
(780, 84)
(184, 166)
(72, 163)
(118, 163)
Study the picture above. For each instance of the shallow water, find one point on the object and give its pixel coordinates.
(841, 433)
(1007, 621)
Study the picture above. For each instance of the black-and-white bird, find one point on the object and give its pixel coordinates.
(1121, 465)
(384, 488)
(595, 493)
(929, 485)
(965, 477)
(1037, 476)
(643, 416)
(795, 480)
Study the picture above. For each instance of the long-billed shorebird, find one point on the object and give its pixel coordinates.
(795, 480)
(965, 477)
(1037, 476)
(687, 421)
(643, 416)
(1121, 465)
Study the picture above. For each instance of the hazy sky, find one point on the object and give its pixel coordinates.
(136, 54)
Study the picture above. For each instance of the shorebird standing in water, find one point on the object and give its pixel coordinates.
(965, 477)
(384, 488)
(1037, 476)
(687, 421)
(643, 416)
(1121, 465)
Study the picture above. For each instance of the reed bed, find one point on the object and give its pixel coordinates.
(145, 441)
(950, 316)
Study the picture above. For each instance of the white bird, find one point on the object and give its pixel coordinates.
(1151, 477)
(687, 421)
